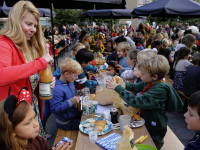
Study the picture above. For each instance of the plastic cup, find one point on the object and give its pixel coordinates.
(93, 134)
(92, 89)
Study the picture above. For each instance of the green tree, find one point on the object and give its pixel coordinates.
(73, 16)
(67, 16)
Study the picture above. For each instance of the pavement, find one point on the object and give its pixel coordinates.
(176, 122)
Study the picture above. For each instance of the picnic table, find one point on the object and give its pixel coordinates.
(83, 142)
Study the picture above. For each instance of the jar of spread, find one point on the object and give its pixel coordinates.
(114, 115)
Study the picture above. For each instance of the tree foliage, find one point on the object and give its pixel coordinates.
(73, 16)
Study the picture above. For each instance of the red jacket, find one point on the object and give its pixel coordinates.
(14, 71)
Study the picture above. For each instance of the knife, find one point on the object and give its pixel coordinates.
(133, 143)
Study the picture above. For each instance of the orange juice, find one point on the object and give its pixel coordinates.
(45, 91)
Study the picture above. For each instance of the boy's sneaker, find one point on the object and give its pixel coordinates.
(48, 135)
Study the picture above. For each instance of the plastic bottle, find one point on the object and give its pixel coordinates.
(45, 91)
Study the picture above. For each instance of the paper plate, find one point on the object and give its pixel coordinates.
(140, 123)
(145, 147)
(107, 128)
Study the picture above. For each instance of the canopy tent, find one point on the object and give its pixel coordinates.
(169, 8)
(108, 13)
(75, 4)
(72, 4)
(44, 12)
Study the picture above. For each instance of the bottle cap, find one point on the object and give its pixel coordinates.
(113, 110)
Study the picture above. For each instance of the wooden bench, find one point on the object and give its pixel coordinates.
(72, 134)
(169, 81)
(171, 142)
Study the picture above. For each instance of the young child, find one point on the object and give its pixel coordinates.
(192, 118)
(153, 103)
(141, 44)
(144, 54)
(122, 49)
(175, 43)
(107, 51)
(19, 125)
(157, 46)
(192, 78)
(131, 60)
(76, 48)
(180, 68)
(64, 100)
(84, 57)
(51, 48)
(138, 37)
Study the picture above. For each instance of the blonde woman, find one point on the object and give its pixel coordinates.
(23, 54)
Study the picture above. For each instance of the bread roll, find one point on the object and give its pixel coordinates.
(100, 124)
(137, 117)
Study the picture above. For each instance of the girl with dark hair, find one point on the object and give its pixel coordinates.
(180, 68)
(141, 44)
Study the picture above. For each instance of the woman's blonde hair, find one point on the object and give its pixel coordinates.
(7, 127)
(33, 48)
(71, 66)
(124, 46)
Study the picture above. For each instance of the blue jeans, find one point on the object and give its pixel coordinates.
(46, 113)
(72, 125)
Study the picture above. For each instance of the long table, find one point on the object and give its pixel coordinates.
(83, 142)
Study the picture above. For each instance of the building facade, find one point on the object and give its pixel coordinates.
(132, 4)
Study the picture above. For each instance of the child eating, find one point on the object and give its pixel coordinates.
(156, 97)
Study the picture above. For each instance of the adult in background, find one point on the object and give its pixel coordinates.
(195, 32)
(131, 28)
(23, 54)
(196, 23)
(129, 40)
(186, 26)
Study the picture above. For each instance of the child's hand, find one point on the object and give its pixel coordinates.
(53, 83)
(111, 84)
(64, 146)
(101, 74)
(76, 99)
(119, 67)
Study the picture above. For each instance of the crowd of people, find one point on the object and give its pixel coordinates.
(142, 57)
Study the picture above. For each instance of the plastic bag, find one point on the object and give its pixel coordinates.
(108, 96)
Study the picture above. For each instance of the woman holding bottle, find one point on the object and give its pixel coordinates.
(23, 55)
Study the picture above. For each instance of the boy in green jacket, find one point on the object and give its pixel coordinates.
(156, 97)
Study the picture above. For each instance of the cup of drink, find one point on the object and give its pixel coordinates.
(124, 120)
(95, 104)
(93, 134)
(100, 82)
(87, 109)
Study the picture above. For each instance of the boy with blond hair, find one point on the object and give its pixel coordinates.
(192, 118)
(156, 97)
(64, 100)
